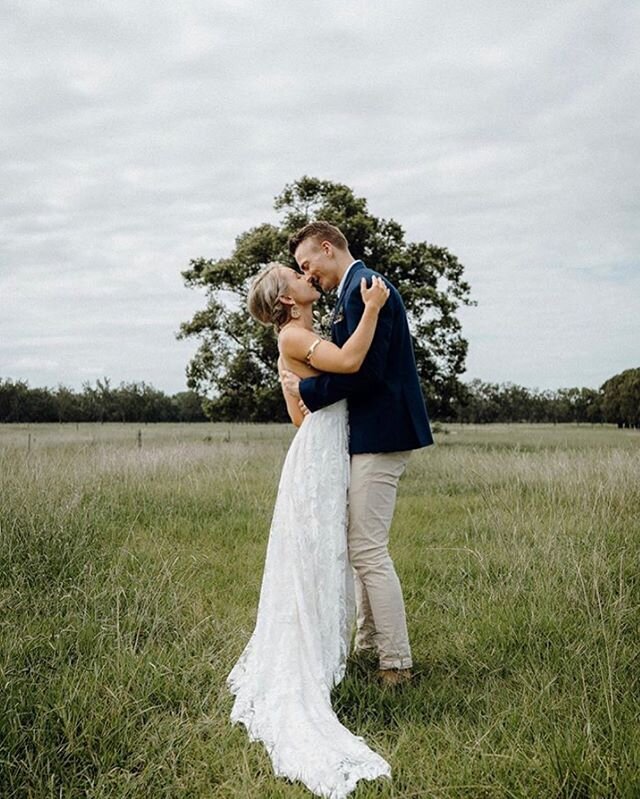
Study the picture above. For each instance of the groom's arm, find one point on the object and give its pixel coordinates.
(325, 389)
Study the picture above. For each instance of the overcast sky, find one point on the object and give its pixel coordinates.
(135, 136)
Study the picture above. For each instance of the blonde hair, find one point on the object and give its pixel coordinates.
(264, 297)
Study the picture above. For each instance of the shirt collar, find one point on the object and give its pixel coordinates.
(344, 278)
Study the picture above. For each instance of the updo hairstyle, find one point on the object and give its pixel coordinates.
(264, 297)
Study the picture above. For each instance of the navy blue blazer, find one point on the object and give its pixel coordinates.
(386, 407)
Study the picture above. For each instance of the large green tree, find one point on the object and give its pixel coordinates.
(621, 398)
(235, 364)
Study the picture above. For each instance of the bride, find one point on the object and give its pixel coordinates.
(283, 679)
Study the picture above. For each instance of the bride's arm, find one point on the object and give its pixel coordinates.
(293, 409)
(300, 344)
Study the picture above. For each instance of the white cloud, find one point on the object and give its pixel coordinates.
(134, 140)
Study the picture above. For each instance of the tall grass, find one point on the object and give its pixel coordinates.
(129, 578)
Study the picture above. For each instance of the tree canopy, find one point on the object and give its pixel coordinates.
(235, 363)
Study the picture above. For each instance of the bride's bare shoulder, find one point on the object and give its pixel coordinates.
(293, 345)
(294, 341)
(293, 333)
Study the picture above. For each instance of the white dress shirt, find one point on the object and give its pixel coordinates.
(344, 277)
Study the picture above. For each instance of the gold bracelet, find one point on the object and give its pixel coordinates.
(307, 357)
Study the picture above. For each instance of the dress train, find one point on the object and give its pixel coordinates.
(283, 679)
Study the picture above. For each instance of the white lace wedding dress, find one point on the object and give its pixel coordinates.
(298, 650)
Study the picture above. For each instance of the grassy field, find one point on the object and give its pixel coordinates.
(130, 576)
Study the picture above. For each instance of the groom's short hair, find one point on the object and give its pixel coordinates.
(323, 231)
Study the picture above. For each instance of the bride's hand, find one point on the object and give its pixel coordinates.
(376, 295)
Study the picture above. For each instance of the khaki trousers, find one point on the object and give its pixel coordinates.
(382, 625)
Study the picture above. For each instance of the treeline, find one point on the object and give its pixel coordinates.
(128, 402)
(617, 401)
(507, 402)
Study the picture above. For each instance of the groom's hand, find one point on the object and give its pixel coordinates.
(303, 408)
(291, 384)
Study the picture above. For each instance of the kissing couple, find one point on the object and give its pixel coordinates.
(359, 409)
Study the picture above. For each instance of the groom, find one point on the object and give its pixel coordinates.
(387, 419)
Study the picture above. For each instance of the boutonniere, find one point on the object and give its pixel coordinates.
(339, 317)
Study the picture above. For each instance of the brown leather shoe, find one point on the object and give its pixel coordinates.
(393, 677)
